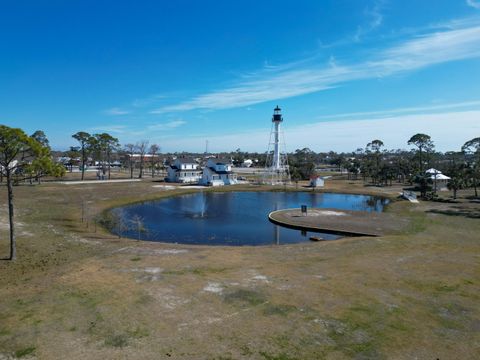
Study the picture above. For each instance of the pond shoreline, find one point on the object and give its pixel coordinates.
(232, 218)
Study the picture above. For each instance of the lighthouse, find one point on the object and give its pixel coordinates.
(276, 120)
(276, 171)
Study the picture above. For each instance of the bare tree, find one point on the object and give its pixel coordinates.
(138, 225)
(154, 150)
(142, 147)
(114, 221)
(130, 150)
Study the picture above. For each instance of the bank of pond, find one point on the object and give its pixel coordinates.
(229, 218)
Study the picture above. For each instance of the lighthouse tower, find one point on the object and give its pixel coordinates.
(277, 119)
(276, 171)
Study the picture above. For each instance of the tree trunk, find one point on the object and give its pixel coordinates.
(83, 161)
(140, 175)
(13, 245)
(421, 160)
(131, 169)
(108, 161)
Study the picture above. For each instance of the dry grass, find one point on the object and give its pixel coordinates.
(82, 294)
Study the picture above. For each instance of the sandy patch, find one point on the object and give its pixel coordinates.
(325, 213)
(166, 299)
(148, 273)
(165, 187)
(213, 287)
(256, 278)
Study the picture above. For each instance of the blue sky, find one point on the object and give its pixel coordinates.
(178, 73)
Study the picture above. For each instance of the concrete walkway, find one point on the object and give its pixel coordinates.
(98, 181)
(342, 222)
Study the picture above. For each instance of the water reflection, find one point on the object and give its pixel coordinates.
(233, 218)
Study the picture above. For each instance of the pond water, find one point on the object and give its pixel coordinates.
(230, 218)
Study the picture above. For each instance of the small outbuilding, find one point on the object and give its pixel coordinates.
(439, 180)
(317, 181)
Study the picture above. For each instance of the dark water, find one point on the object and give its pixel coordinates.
(232, 218)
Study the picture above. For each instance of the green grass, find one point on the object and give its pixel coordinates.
(278, 309)
(200, 271)
(25, 351)
(116, 340)
(365, 330)
(447, 288)
(245, 297)
(138, 332)
(280, 356)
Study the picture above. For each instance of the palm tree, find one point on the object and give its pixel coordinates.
(424, 143)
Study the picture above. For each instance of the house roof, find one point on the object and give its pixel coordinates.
(220, 172)
(186, 160)
(221, 161)
(433, 171)
(440, 176)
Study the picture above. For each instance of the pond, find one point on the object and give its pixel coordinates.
(229, 218)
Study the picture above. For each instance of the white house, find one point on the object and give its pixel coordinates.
(218, 172)
(184, 170)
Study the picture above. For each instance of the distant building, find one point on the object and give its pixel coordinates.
(317, 181)
(439, 180)
(218, 172)
(247, 163)
(184, 170)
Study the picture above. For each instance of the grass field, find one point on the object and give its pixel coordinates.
(77, 292)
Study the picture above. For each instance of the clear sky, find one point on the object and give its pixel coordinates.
(178, 73)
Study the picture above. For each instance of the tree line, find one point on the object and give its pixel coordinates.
(103, 146)
(378, 166)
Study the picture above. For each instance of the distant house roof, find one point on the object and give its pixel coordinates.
(221, 161)
(433, 171)
(186, 160)
(144, 155)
